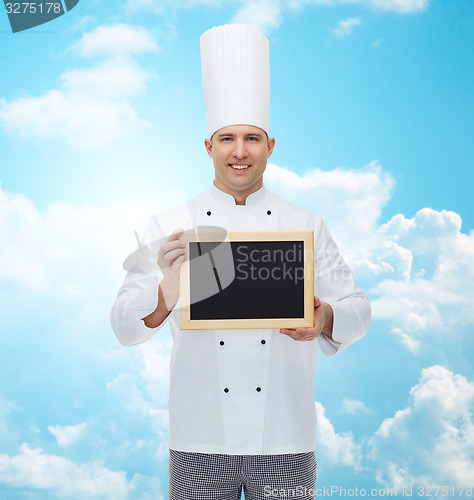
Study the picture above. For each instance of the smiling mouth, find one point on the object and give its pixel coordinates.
(238, 166)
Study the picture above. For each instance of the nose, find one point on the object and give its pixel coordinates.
(240, 149)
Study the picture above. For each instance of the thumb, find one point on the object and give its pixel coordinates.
(317, 302)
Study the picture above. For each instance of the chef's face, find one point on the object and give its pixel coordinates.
(240, 154)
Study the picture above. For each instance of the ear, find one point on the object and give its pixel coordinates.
(270, 146)
(208, 146)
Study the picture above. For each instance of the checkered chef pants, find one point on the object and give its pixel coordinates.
(202, 476)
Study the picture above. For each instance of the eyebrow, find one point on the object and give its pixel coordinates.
(252, 134)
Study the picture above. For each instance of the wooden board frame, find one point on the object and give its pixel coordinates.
(307, 237)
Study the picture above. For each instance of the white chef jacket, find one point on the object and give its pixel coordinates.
(243, 391)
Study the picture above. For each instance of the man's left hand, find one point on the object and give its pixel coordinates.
(323, 321)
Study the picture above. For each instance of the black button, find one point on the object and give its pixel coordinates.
(259, 389)
(269, 212)
(221, 342)
(226, 390)
(263, 341)
(208, 212)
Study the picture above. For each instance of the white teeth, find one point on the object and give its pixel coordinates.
(240, 167)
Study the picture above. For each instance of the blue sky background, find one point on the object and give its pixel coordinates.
(102, 123)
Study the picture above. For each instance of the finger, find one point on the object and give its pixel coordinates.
(286, 331)
(317, 302)
(172, 245)
(300, 330)
(180, 260)
(175, 234)
(294, 334)
(297, 336)
(169, 248)
(289, 333)
(170, 257)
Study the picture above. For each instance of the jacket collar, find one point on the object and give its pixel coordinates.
(227, 199)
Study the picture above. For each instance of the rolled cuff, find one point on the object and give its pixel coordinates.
(351, 320)
(128, 312)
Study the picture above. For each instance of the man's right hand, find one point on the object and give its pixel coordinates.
(170, 257)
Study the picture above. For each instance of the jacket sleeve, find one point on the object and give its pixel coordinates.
(138, 296)
(334, 284)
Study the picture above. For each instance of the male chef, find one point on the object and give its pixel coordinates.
(241, 407)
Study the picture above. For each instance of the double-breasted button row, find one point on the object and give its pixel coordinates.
(263, 342)
(258, 389)
(209, 213)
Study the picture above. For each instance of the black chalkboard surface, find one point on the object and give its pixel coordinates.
(247, 280)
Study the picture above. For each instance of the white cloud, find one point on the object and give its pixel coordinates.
(112, 79)
(124, 393)
(352, 406)
(422, 269)
(82, 23)
(33, 468)
(116, 40)
(140, 410)
(407, 340)
(84, 123)
(39, 247)
(426, 269)
(335, 448)
(431, 441)
(91, 108)
(345, 27)
(8, 429)
(155, 368)
(160, 6)
(397, 6)
(70, 250)
(268, 14)
(66, 435)
(263, 14)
